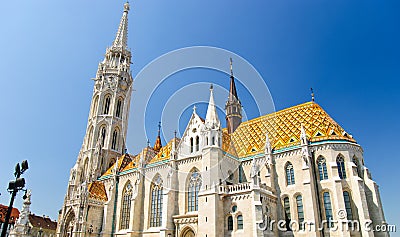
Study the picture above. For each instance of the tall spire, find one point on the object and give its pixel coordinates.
(212, 120)
(121, 38)
(232, 88)
(233, 107)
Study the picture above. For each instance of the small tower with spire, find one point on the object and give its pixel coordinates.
(158, 145)
(211, 173)
(233, 107)
(212, 124)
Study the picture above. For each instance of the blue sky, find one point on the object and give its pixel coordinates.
(348, 51)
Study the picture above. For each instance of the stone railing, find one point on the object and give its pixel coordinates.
(242, 188)
(235, 188)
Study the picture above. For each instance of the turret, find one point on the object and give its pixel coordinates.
(158, 145)
(212, 125)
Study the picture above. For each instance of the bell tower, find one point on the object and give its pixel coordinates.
(106, 130)
(108, 118)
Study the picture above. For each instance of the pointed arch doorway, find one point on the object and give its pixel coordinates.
(69, 224)
(188, 232)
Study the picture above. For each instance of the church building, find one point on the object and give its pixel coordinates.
(273, 175)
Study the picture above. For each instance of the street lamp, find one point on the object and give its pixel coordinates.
(13, 187)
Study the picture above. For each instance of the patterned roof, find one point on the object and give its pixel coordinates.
(97, 191)
(123, 161)
(165, 152)
(283, 130)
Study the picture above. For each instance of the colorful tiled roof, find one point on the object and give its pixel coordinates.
(123, 161)
(133, 164)
(165, 152)
(97, 191)
(42, 222)
(283, 130)
(3, 212)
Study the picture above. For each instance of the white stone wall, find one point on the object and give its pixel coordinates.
(251, 202)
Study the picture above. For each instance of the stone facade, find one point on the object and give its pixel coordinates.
(297, 164)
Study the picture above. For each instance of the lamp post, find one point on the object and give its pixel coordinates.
(13, 187)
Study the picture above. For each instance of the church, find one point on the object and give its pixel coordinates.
(294, 172)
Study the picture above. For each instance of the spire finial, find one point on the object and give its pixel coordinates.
(211, 87)
(231, 65)
(312, 95)
(126, 6)
(159, 128)
(194, 109)
(175, 132)
(122, 34)
(148, 142)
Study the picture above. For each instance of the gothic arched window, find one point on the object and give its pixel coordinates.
(230, 223)
(240, 222)
(286, 208)
(355, 161)
(107, 101)
(103, 135)
(193, 192)
(323, 173)
(289, 174)
(300, 211)
(118, 111)
(126, 206)
(156, 203)
(94, 105)
(191, 144)
(341, 167)
(328, 208)
(90, 136)
(114, 142)
(347, 204)
(197, 143)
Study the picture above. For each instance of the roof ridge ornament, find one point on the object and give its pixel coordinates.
(312, 95)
